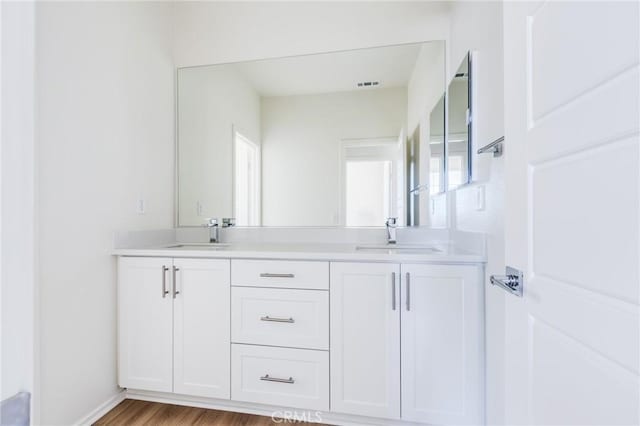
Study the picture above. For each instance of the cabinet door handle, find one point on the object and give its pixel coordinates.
(175, 287)
(408, 292)
(164, 281)
(272, 319)
(393, 291)
(269, 275)
(267, 378)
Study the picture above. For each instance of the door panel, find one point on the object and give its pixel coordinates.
(365, 339)
(201, 328)
(561, 391)
(145, 321)
(573, 225)
(442, 344)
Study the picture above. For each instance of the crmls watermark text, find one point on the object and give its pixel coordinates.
(296, 416)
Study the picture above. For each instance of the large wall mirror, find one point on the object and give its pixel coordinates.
(459, 135)
(316, 140)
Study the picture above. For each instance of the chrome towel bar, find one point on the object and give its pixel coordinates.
(495, 147)
(418, 188)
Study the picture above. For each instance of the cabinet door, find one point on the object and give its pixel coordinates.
(145, 323)
(365, 339)
(442, 346)
(202, 327)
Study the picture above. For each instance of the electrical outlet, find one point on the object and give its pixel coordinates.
(480, 198)
(141, 206)
(198, 208)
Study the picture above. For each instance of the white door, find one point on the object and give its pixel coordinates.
(442, 344)
(572, 177)
(145, 323)
(365, 339)
(202, 298)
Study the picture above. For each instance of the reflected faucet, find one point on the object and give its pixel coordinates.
(391, 225)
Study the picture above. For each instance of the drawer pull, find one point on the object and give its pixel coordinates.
(268, 318)
(164, 281)
(268, 275)
(266, 378)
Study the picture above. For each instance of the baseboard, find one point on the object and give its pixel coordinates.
(103, 409)
(310, 416)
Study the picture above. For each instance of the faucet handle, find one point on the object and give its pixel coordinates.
(211, 222)
(392, 221)
(228, 222)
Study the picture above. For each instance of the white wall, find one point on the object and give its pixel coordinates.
(105, 137)
(212, 103)
(217, 32)
(426, 85)
(17, 279)
(478, 26)
(301, 144)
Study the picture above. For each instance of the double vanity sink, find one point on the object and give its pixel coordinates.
(291, 326)
(437, 252)
(382, 248)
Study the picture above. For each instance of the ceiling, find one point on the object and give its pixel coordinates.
(332, 72)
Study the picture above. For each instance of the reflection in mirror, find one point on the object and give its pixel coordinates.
(458, 135)
(436, 147)
(316, 140)
(413, 178)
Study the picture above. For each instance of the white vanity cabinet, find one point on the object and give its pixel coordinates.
(442, 336)
(280, 333)
(145, 324)
(365, 339)
(406, 341)
(395, 341)
(173, 325)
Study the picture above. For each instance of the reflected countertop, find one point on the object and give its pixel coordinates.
(436, 252)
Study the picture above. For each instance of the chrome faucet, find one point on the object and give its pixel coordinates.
(214, 230)
(391, 225)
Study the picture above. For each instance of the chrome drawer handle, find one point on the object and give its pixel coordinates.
(164, 281)
(175, 285)
(268, 275)
(393, 291)
(266, 378)
(408, 291)
(268, 318)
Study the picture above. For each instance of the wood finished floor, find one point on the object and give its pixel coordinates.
(136, 413)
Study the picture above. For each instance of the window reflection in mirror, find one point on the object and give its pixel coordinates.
(372, 175)
(458, 135)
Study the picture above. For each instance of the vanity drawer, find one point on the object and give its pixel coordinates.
(280, 317)
(280, 376)
(280, 273)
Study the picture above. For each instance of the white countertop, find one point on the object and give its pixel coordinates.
(446, 253)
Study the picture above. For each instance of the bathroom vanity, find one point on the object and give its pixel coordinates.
(374, 333)
(360, 334)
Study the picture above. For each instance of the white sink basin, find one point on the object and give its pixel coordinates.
(413, 248)
(198, 246)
